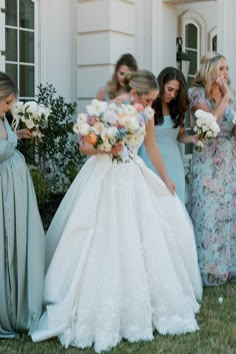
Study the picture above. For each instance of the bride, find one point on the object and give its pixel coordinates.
(121, 255)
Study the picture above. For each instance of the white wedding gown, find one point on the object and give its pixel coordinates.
(121, 259)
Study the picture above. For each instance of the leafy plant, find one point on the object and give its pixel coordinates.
(40, 185)
(57, 154)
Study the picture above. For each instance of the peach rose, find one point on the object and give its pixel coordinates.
(91, 138)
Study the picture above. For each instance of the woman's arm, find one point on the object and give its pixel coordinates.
(154, 154)
(221, 101)
(24, 134)
(101, 94)
(88, 149)
(186, 138)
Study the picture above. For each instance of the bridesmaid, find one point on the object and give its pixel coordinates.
(21, 230)
(170, 108)
(116, 86)
(212, 203)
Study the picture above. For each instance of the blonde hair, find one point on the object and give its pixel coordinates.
(209, 71)
(7, 86)
(143, 81)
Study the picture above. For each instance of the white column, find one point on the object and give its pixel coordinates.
(226, 10)
(56, 42)
(106, 30)
(156, 34)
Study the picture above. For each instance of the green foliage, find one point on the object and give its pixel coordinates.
(40, 185)
(57, 154)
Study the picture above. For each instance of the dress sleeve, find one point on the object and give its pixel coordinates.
(196, 96)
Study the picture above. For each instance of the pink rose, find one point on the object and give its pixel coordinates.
(208, 182)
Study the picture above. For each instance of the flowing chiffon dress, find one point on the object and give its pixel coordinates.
(212, 197)
(166, 137)
(121, 259)
(22, 248)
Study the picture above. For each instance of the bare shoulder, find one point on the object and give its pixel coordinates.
(101, 94)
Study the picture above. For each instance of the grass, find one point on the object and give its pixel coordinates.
(217, 333)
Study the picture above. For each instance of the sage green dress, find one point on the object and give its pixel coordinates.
(21, 243)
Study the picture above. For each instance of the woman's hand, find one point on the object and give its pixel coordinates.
(223, 86)
(24, 134)
(171, 186)
(117, 148)
(195, 139)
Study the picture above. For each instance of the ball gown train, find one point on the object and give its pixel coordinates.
(121, 259)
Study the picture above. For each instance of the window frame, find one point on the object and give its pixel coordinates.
(18, 63)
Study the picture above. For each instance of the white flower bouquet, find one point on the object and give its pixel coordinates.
(104, 124)
(206, 127)
(31, 115)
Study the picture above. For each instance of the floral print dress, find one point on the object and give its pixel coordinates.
(212, 200)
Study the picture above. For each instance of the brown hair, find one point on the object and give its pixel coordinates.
(179, 105)
(128, 60)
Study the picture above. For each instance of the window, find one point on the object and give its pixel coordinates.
(191, 48)
(191, 36)
(20, 42)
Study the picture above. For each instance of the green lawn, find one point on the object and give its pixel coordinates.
(217, 333)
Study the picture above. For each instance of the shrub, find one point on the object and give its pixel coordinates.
(57, 154)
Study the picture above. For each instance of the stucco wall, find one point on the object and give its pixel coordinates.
(106, 30)
(57, 46)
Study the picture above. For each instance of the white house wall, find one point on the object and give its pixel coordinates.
(226, 12)
(106, 30)
(57, 45)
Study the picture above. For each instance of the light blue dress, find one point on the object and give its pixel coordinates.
(166, 137)
(21, 243)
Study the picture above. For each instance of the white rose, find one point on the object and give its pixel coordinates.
(96, 108)
(84, 128)
(149, 112)
(81, 118)
(200, 144)
(31, 107)
(29, 123)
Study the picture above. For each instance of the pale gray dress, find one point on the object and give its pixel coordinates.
(21, 243)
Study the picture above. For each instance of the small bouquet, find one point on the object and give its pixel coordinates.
(31, 115)
(206, 127)
(104, 124)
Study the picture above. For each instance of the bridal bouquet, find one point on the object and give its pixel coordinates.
(206, 127)
(104, 124)
(31, 115)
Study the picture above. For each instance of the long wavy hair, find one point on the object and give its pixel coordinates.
(114, 86)
(177, 106)
(208, 71)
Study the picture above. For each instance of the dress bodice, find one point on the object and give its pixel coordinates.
(7, 146)
(165, 133)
